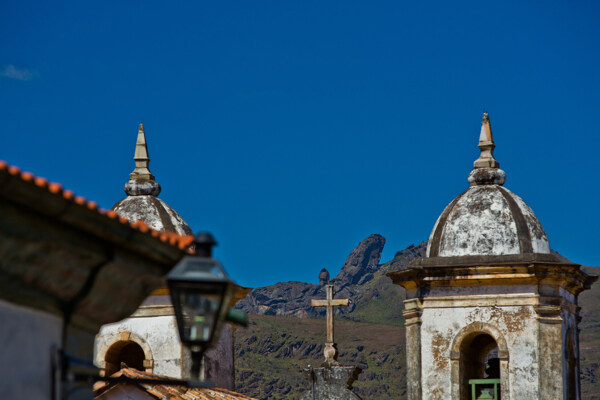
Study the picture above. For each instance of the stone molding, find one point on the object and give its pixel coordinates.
(549, 314)
(413, 309)
(469, 331)
(111, 339)
(479, 328)
(425, 273)
(522, 228)
(482, 300)
(153, 311)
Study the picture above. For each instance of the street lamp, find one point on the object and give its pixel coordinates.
(201, 293)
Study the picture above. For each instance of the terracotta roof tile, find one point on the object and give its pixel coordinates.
(41, 182)
(143, 227)
(178, 391)
(80, 200)
(27, 176)
(54, 187)
(68, 194)
(181, 241)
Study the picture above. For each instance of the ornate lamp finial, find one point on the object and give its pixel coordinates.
(486, 169)
(141, 179)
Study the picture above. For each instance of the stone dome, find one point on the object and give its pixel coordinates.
(487, 219)
(157, 214)
(142, 203)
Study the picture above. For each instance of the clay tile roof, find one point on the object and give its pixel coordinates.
(180, 241)
(177, 391)
(41, 182)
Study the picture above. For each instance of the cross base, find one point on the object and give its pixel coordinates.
(331, 354)
(333, 383)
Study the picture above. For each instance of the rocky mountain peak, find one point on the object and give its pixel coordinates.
(293, 298)
(361, 263)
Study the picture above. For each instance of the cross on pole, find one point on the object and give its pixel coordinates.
(330, 347)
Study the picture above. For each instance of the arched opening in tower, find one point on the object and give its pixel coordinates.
(480, 367)
(571, 366)
(125, 353)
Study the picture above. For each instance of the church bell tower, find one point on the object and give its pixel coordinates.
(148, 340)
(490, 311)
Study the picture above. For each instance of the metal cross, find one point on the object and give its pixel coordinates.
(330, 347)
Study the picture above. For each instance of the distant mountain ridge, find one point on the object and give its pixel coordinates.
(293, 298)
(271, 353)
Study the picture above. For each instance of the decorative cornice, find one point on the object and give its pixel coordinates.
(412, 312)
(416, 278)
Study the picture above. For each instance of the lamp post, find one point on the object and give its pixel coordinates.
(201, 293)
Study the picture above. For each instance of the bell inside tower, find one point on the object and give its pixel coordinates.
(480, 368)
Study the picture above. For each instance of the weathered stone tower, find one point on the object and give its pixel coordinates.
(148, 340)
(491, 308)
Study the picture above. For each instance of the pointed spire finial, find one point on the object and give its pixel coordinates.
(141, 157)
(486, 145)
(141, 179)
(486, 169)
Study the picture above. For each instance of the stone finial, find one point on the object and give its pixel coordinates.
(141, 157)
(323, 277)
(141, 181)
(486, 169)
(486, 145)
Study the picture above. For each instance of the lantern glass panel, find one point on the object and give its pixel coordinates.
(199, 307)
(199, 314)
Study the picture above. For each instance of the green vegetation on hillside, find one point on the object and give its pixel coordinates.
(272, 353)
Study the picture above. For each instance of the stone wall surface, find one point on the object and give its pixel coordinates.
(27, 337)
(158, 334)
(331, 383)
(159, 338)
(440, 327)
(569, 353)
(219, 361)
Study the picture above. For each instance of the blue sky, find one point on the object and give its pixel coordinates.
(292, 130)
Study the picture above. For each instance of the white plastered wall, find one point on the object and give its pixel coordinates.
(158, 333)
(441, 325)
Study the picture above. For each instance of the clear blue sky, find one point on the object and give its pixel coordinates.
(292, 130)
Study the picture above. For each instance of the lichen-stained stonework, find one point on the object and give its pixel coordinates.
(142, 202)
(153, 324)
(481, 221)
(157, 214)
(441, 326)
(154, 328)
(160, 334)
(489, 280)
(528, 302)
